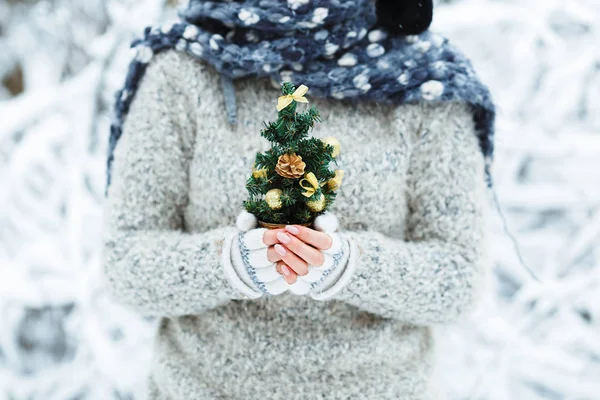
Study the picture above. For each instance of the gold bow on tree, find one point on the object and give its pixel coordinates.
(335, 182)
(298, 95)
(310, 184)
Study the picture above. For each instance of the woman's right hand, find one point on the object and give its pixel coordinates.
(289, 272)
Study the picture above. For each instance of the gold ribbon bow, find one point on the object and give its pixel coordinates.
(298, 95)
(335, 182)
(310, 184)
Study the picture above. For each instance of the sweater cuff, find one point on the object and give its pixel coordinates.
(345, 269)
(231, 273)
(251, 263)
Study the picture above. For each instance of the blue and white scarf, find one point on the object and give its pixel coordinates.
(334, 47)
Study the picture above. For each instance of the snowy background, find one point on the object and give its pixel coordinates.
(62, 338)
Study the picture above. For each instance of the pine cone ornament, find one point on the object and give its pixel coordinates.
(290, 166)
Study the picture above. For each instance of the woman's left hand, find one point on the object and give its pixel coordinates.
(320, 249)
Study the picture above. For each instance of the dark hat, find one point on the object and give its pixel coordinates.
(408, 17)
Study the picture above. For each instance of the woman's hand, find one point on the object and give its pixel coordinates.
(299, 246)
(288, 265)
(296, 247)
(292, 254)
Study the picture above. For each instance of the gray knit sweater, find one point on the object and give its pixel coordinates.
(413, 200)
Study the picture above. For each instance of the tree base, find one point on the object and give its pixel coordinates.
(270, 225)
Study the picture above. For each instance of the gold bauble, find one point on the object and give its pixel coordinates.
(259, 173)
(316, 205)
(335, 182)
(290, 166)
(333, 142)
(273, 199)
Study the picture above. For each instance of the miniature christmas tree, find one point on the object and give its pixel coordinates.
(292, 182)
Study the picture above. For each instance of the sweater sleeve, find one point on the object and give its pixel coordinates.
(150, 262)
(431, 275)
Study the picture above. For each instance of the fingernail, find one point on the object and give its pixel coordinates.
(292, 229)
(280, 250)
(283, 237)
(285, 269)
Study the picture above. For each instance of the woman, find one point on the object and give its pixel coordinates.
(297, 313)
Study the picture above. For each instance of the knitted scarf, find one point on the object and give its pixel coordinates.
(334, 47)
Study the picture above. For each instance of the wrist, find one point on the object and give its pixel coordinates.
(324, 274)
(339, 275)
(233, 268)
(334, 264)
(251, 263)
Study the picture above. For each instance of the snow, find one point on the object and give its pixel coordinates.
(61, 337)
